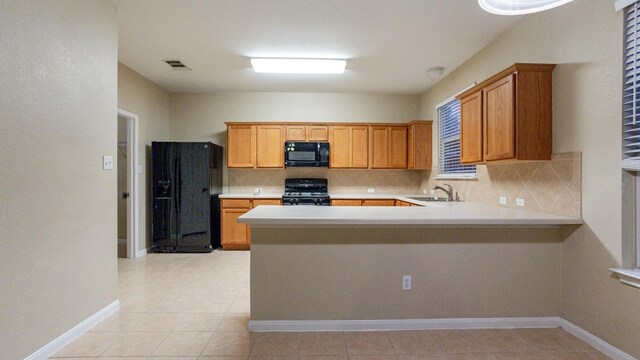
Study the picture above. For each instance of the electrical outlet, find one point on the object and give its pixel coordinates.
(424, 191)
(406, 282)
(371, 191)
(107, 162)
(520, 202)
(258, 190)
(503, 200)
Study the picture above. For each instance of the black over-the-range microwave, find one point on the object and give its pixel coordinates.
(309, 154)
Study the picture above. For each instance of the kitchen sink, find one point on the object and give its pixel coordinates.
(429, 198)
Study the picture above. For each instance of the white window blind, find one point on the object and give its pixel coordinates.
(631, 90)
(449, 142)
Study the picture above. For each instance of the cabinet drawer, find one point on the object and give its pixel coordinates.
(382, 202)
(257, 202)
(350, 202)
(236, 203)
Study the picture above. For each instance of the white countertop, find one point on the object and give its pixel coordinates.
(251, 196)
(430, 214)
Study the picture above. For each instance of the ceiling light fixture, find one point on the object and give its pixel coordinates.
(298, 66)
(519, 7)
(435, 72)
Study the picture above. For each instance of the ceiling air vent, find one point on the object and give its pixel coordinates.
(177, 65)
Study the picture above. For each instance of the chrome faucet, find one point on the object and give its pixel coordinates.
(449, 191)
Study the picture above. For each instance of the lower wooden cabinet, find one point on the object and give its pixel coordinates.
(363, 202)
(379, 202)
(236, 236)
(403, 203)
(346, 202)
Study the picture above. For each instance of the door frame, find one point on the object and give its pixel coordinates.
(133, 206)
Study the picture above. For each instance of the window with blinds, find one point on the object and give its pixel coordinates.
(631, 90)
(449, 143)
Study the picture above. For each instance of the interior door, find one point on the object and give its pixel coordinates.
(195, 182)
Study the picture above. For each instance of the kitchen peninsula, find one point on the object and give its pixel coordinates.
(326, 267)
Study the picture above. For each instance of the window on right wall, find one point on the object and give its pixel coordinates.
(449, 166)
(630, 274)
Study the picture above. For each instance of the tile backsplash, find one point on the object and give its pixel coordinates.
(552, 187)
(340, 181)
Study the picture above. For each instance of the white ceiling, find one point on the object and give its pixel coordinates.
(389, 44)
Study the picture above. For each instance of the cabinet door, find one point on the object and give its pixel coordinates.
(379, 202)
(379, 136)
(339, 146)
(471, 129)
(296, 133)
(398, 147)
(419, 146)
(499, 120)
(317, 133)
(234, 234)
(346, 202)
(241, 148)
(270, 146)
(359, 147)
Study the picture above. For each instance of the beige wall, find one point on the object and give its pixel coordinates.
(355, 273)
(585, 39)
(140, 96)
(58, 101)
(201, 117)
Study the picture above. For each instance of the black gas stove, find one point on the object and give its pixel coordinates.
(300, 191)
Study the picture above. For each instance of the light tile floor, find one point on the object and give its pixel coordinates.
(196, 306)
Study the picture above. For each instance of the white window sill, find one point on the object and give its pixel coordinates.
(628, 276)
(456, 177)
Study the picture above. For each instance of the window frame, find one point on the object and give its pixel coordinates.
(629, 273)
(441, 175)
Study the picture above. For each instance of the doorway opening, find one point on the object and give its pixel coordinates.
(128, 170)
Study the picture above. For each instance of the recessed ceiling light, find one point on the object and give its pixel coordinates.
(298, 66)
(519, 7)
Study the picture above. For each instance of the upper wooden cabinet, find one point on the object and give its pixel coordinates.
(515, 108)
(471, 128)
(241, 146)
(419, 148)
(296, 133)
(317, 133)
(388, 147)
(270, 147)
(306, 133)
(255, 146)
(352, 145)
(348, 146)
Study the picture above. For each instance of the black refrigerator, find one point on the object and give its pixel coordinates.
(186, 180)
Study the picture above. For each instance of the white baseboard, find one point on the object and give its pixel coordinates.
(595, 342)
(74, 333)
(441, 324)
(141, 253)
(404, 324)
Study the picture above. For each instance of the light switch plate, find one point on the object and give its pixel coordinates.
(107, 162)
(503, 200)
(520, 202)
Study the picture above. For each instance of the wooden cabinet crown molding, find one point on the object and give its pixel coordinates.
(517, 67)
